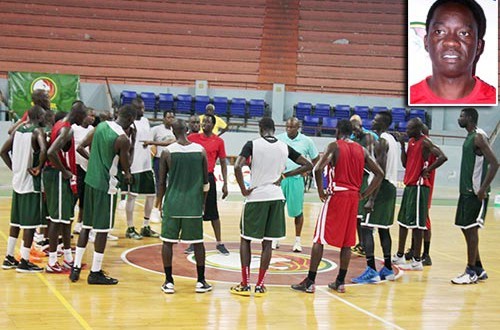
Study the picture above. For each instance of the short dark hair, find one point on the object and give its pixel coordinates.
(59, 115)
(471, 113)
(344, 127)
(135, 102)
(266, 123)
(127, 111)
(472, 5)
(209, 115)
(168, 111)
(386, 118)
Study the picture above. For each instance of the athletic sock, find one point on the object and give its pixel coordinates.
(146, 222)
(97, 262)
(311, 276)
(370, 261)
(78, 257)
(245, 275)
(168, 274)
(262, 276)
(52, 258)
(25, 253)
(129, 210)
(387, 262)
(11, 246)
(297, 239)
(68, 257)
(341, 275)
(200, 270)
(400, 255)
(427, 246)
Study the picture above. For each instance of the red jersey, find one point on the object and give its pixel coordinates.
(415, 163)
(214, 147)
(347, 174)
(68, 158)
(482, 93)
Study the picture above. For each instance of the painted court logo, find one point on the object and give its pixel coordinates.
(45, 83)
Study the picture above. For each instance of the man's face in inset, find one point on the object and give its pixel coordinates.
(452, 41)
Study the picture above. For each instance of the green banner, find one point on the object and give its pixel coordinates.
(63, 90)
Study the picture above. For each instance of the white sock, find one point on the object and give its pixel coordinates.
(68, 257)
(129, 210)
(148, 206)
(297, 239)
(52, 258)
(145, 223)
(79, 256)
(11, 246)
(97, 262)
(25, 253)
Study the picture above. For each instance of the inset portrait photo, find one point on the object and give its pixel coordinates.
(453, 52)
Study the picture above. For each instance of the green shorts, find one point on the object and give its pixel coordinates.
(382, 215)
(186, 230)
(471, 211)
(98, 210)
(142, 183)
(293, 189)
(407, 216)
(362, 202)
(26, 210)
(45, 213)
(263, 220)
(60, 199)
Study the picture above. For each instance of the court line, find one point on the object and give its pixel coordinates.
(364, 311)
(58, 295)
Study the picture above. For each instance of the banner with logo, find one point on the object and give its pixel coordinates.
(63, 90)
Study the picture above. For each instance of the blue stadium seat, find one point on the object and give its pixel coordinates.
(398, 114)
(220, 103)
(256, 108)
(362, 111)
(165, 101)
(126, 97)
(303, 109)
(149, 99)
(310, 125)
(329, 125)
(402, 126)
(322, 110)
(366, 123)
(377, 109)
(238, 107)
(342, 111)
(418, 113)
(200, 102)
(184, 103)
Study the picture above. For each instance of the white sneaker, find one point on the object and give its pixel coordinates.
(168, 287)
(468, 277)
(112, 237)
(413, 265)
(297, 247)
(155, 216)
(122, 204)
(398, 260)
(275, 245)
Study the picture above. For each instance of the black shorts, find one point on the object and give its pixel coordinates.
(211, 211)
(80, 185)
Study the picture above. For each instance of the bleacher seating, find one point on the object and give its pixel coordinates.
(220, 103)
(362, 111)
(303, 109)
(402, 126)
(149, 99)
(322, 110)
(238, 107)
(310, 125)
(418, 113)
(377, 109)
(256, 108)
(184, 103)
(398, 114)
(366, 123)
(165, 101)
(126, 97)
(329, 125)
(200, 103)
(342, 111)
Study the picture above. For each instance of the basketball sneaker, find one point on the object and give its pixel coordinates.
(168, 287)
(481, 275)
(112, 237)
(28, 267)
(101, 278)
(397, 260)
(222, 249)
(10, 262)
(297, 247)
(468, 277)
(370, 275)
(337, 286)
(358, 250)
(190, 249)
(386, 274)
(426, 260)
(132, 233)
(146, 231)
(409, 254)
(260, 291)
(202, 287)
(241, 290)
(413, 265)
(155, 216)
(305, 286)
(54, 269)
(74, 276)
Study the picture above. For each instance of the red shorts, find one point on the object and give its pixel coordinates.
(337, 221)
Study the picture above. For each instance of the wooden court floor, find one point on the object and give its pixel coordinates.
(417, 300)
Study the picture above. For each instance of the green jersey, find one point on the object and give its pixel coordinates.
(474, 167)
(184, 196)
(103, 161)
